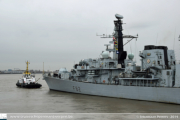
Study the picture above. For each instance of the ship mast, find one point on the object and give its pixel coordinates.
(118, 51)
(27, 72)
(120, 54)
(43, 67)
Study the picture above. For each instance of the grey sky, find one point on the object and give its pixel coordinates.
(61, 32)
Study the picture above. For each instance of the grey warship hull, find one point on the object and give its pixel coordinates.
(157, 94)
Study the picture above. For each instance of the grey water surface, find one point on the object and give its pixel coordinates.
(43, 100)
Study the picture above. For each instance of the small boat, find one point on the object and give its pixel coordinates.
(28, 80)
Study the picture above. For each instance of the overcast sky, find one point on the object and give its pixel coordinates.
(61, 32)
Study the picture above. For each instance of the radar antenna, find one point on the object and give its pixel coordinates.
(118, 50)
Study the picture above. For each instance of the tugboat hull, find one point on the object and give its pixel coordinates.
(28, 85)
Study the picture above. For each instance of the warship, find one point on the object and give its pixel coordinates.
(156, 79)
(28, 80)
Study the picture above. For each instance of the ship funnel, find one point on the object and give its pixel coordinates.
(118, 16)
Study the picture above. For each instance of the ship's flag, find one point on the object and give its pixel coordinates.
(114, 38)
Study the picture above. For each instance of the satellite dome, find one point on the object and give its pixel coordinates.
(105, 54)
(130, 56)
(62, 70)
(118, 16)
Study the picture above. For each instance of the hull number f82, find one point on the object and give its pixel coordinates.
(76, 88)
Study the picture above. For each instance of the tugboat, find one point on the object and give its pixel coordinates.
(28, 80)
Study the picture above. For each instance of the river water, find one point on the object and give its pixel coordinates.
(43, 100)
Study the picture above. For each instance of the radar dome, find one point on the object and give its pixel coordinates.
(105, 54)
(118, 16)
(62, 70)
(130, 56)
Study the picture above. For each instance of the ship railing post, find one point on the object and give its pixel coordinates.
(155, 83)
(137, 83)
(140, 83)
(143, 82)
(146, 83)
(129, 83)
(151, 84)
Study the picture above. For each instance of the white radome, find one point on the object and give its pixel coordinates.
(105, 54)
(118, 16)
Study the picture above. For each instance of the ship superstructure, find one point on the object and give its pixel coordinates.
(157, 78)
